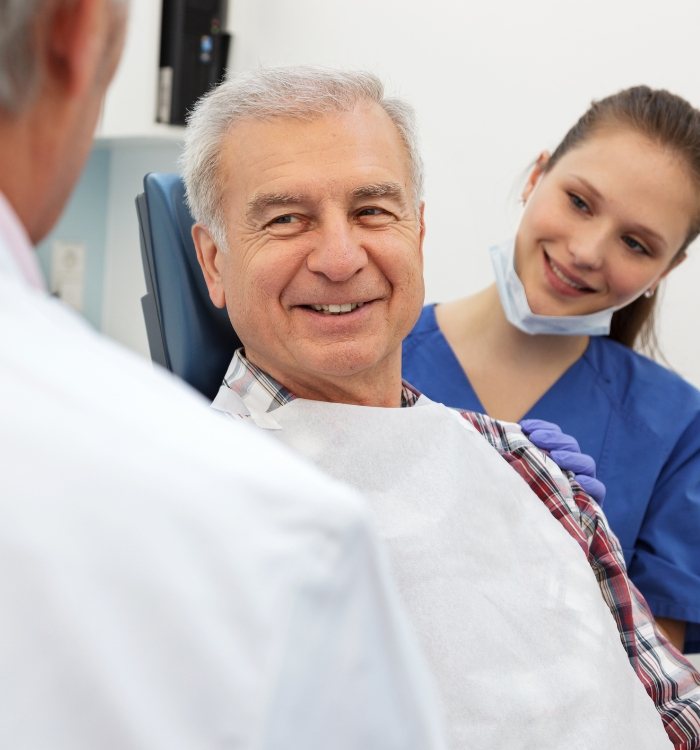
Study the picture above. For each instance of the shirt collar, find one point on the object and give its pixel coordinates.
(17, 256)
(261, 393)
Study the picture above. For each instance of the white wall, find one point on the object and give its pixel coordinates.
(493, 84)
(130, 106)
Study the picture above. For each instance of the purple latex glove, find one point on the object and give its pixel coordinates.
(566, 453)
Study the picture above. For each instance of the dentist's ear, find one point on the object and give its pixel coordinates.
(74, 36)
(534, 177)
(211, 262)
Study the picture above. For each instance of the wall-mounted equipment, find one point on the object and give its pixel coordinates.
(193, 54)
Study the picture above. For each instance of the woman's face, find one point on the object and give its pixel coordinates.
(603, 225)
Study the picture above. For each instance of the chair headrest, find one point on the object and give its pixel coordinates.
(198, 338)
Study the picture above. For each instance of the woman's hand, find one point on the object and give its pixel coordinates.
(566, 453)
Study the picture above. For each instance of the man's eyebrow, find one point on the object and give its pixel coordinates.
(381, 190)
(260, 203)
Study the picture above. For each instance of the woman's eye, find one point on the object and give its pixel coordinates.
(578, 203)
(635, 246)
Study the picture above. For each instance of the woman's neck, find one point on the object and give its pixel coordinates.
(509, 370)
(479, 321)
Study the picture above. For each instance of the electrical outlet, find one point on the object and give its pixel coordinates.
(68, 272)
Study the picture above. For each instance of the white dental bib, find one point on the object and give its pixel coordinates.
(524, 650)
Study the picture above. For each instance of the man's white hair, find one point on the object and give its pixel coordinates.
(19, 72)
(303, 93)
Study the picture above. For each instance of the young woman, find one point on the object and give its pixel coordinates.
(605, 218)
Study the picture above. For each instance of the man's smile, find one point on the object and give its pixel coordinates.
(340, 309)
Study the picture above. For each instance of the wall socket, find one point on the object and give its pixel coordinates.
(68, 272)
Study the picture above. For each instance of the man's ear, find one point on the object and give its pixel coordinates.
(75, 35)
(421, 219)
(535, 174)
(211, 262)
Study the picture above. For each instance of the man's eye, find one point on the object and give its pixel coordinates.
(635, 246)
(285, 225)
(578, 203)
(373, 216)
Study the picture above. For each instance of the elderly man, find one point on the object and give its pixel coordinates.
(306, 188)
(161, 587)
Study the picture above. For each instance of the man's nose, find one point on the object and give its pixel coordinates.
(337, 252)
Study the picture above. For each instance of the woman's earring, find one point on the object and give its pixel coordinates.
(649, 293)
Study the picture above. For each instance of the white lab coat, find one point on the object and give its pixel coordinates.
(170, 580)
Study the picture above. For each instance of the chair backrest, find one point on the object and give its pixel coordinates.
(186, 333)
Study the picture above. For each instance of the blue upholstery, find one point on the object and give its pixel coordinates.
(186, 333)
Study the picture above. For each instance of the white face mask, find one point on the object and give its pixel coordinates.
(517, 310)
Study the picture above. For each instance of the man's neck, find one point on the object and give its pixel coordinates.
(372, 389)
(277, 390)
(359, 394)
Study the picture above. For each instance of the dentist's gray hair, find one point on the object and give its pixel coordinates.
(19, 61)
(303, 93)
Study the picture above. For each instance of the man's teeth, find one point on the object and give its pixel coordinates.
(337, 309)
(563, 278)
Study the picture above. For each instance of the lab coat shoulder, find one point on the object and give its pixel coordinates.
(178, 577)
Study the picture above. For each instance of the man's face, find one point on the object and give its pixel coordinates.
(323, 276)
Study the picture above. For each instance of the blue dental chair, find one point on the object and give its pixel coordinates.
(186, 333)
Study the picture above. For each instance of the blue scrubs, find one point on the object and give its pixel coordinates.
(641, 424)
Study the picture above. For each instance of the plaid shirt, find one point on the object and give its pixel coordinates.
(669, 679)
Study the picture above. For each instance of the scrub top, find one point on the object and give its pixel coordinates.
(641, 424)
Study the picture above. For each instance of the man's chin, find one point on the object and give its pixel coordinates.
(346, 359)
